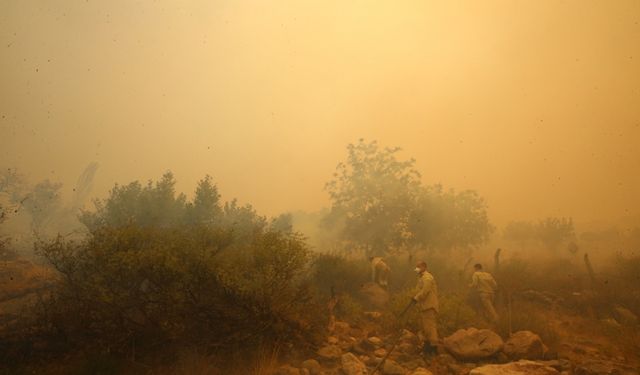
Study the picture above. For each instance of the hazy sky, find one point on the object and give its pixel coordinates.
(535, 104)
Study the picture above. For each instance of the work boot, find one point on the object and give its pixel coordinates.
(427, 349)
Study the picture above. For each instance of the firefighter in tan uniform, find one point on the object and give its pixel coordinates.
(484, 285)
(426, 299)
(379, 272)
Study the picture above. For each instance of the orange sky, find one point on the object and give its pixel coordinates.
(535, 104)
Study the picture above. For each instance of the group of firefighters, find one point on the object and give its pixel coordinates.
(482, 285)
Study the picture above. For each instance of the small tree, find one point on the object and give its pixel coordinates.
(553, 232)
(372, 194)
(448, 219)
(205, 207)
(42, 204)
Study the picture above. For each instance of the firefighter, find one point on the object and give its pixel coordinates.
(485, 287)
(426, 300)
(379, 272)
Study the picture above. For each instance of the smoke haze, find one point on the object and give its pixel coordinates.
(532, 104)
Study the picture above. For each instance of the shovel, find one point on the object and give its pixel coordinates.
(410, 305)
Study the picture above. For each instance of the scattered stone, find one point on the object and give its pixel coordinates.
(380, 352)
(312, 366)
(332, 340)
(522, 367)
(524, 345)
(391, 367)
(375, 341)
(330, 353)
(352, 365)
(409, 337)
(473, 344)
(347, 343)
(373, 315)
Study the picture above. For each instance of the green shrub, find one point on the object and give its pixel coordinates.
(145, 285)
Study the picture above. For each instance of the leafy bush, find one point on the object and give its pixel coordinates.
(150, 285)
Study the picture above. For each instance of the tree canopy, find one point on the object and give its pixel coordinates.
(380, 204)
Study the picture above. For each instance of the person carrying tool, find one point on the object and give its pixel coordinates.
(426, 299)
(485, 287)
(379, 272)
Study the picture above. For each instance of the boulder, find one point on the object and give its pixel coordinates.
(375, 341)
(312, 366)
(473, 344)
(391, 367)
(352, 365)
(347, 343)
(375, 295)
(522, 367)
(524, 345)
(330, 353)
(408, 348)
(380, 352)
(409, 337)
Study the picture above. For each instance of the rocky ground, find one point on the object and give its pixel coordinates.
(359, 349)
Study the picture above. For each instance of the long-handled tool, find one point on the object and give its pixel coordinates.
(413, 302)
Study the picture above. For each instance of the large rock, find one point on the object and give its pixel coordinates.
(410, 337)
(473, 344)
(352, 365)
(522, 367)
(312, 366)
(391, 367)
(374, 295)
(371, 343)
(421, 371)
(330, 353)
(524, 345)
